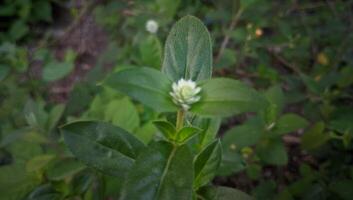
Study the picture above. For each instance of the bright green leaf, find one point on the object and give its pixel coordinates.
(188, 51)
(186, 133)
(146, 85)
(225, 97)
(166, 128)
(122, 113)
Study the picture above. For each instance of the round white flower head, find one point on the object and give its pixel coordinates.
(184, 93)
(152, 26)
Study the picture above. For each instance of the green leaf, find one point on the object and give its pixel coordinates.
(272, 152)
(63, 168)
(167, 8)
(146, 85)
(253, 171)
(343, 188)
(44, 192)
(122, 113)
(151, 52)
(54, 116)
(276, 99)
(166, 128)
(38, 162)
(207, 163)
(209, 127)
(161, 172)
(4, 71)
(15, 182)
(102, 146)
(314, 137)
(57, 70)
(225, 97)
(188, 51)
(186, 133)
(42, 11)
(240, 136)
(222, 193)
(288, 123)
(146, 132)
(18, 30)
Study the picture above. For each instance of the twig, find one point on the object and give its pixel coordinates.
(290, 66)
(227, 37)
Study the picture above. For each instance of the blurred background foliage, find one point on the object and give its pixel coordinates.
(53, 55)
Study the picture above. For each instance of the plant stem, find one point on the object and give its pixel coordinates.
(180, 120)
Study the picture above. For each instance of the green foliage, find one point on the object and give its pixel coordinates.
(127, 138)
(146, 85)
(188, 51)
(102, 146)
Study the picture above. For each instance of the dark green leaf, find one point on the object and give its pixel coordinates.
(102, 146)
(4, 71)
(207, 163)
(57, 70)
(272, 152)
(225, 97)
(343, 188)
(63, 168)
(314, 137)
(222, 193)
(288, 123)
(240, 136)
(146, 85)
(276, 98)
(161, 172)
(188, 51)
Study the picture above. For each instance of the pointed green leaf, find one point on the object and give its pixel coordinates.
(209, 127)
(102, 146)
(151, 52)
(146, 85)
(161, 172)
(166, 128)
(207, 163)
(186, 132)
(188, 51)
(225, 97)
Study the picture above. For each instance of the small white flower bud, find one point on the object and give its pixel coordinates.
(184, 93)
(152, 26)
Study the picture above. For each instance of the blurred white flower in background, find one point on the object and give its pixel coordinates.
(152, 26)
(184, 93)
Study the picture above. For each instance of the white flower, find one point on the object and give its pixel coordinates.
(184, 93)
(152, 26)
